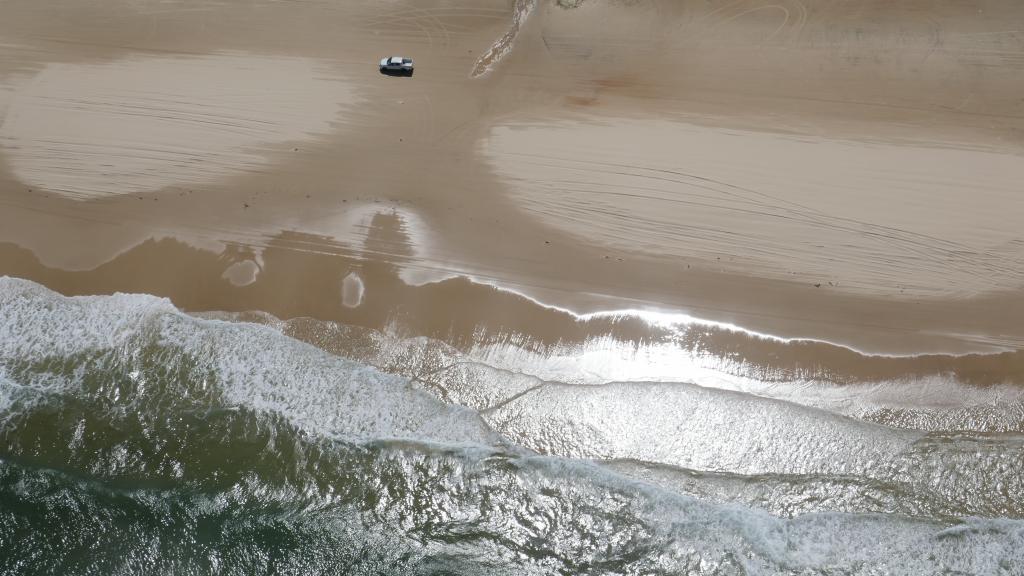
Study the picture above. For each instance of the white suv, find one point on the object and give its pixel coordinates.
(396, 64)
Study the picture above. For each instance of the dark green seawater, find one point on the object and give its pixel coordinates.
(135, 439)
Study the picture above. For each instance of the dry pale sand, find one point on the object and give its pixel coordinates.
(847, 171)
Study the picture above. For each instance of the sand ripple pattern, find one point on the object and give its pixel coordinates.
(142, 123)
(876, 217)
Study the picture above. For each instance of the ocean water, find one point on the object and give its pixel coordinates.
(137, 439)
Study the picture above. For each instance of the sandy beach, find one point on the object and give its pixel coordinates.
(777, 167)
(810, 202)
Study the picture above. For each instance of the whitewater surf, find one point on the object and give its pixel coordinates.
(141, 440)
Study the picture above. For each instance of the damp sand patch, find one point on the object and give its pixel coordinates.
(143, 123)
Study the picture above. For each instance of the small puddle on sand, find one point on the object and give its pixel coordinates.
(352, 290)
(242, 273)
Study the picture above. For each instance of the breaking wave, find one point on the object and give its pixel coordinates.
(137, 439)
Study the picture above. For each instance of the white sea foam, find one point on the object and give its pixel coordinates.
(694, 536)
(926, 402)
(698, 428)
(255, 366)
(823, 459)
(259, 369)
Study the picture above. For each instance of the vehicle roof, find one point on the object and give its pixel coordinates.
(397, 59)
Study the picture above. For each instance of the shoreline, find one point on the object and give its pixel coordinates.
(916, 278)
(757, 266)
(465, 313)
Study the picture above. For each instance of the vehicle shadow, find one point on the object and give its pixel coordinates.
(396, 72)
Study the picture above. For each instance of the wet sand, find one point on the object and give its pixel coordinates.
(594, 256)
(324, 285)
(835, 171)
